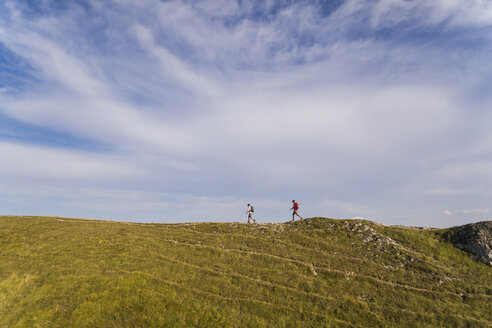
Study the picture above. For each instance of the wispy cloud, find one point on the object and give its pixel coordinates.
(25, 162)
(477, 211)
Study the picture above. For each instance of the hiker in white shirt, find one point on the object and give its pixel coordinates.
(250, 210)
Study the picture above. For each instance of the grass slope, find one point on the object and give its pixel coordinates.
(58, 272)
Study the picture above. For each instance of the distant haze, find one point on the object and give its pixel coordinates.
(172, 111)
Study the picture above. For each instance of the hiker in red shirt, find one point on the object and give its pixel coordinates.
(295, 207)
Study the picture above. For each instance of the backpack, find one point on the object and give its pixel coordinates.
(252, 209)
(296, 206)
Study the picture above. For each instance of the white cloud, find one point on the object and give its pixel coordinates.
(480, 210)
(447, 212)
(471, 171)
(214, 38)
(485, 210)
(388, 13)
(35, 162)
(53, 62)
(454, 191)
(104, 120)
(172, 67)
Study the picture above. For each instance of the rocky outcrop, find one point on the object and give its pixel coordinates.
(475, 238)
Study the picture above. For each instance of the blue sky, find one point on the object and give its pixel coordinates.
(173, 111)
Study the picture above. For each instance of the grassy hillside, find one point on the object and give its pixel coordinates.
(58, 272)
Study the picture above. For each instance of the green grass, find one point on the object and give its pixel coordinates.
(57, 272)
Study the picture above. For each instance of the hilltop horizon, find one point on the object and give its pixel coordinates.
(244, 220)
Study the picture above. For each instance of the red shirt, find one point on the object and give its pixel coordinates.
(296, 206)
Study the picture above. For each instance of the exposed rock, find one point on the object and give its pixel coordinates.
(475, 238)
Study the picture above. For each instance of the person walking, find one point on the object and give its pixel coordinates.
(295, 207)
(250, 210)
